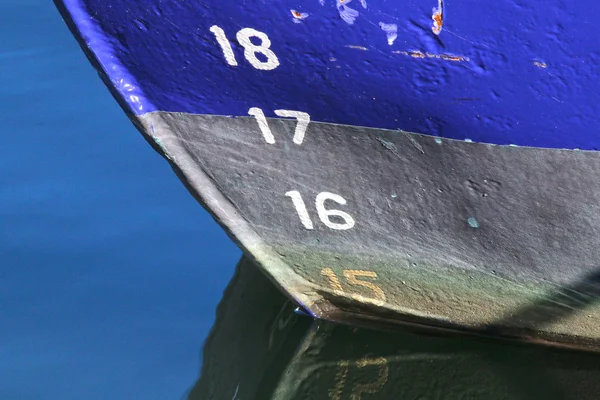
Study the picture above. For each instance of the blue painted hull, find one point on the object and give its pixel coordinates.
(414, 163)
(510, 72)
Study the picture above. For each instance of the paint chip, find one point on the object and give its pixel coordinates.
(438, 140)
(540, 64)
(414, 142)
(348, 14)
(391, 30)
(450, 57)
(363, 3)
(420, 54)
(389, 146)
(298, 16)
(438, 17)
(473, 222)
(414, 54)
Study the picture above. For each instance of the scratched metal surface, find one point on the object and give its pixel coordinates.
(461, 235)
(505, 72)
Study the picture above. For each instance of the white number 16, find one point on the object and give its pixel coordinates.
(323, 213)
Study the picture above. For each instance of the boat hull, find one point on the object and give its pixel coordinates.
(297, 138)
(450, 233)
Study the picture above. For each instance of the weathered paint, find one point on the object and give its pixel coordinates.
(530, 69)
(529, 251)
(453, 233)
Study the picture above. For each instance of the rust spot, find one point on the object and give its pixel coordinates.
(437, 23)
(298, 16)
(540, 64)
(438, 17)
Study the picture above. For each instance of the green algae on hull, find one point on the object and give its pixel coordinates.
(447, 297)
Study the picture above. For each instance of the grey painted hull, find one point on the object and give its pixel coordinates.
(492, 239)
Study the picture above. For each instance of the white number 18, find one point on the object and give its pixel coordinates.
(250, 49)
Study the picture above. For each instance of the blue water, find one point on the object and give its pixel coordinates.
(110, 272)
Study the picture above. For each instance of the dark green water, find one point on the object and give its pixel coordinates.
(260, 349)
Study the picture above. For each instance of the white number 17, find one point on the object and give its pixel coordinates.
(302, 118)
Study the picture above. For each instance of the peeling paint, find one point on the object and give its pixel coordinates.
(348, 14)
(298, 16)
(363, 3)
(415, 54)
(420, 54)
(450, 57)
(540, 64)
(352, 46)
(391, 30)
(389, 146)
(414, 142)
(438, 17)
(473, 222)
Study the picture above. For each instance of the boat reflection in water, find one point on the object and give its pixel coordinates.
(260, 349)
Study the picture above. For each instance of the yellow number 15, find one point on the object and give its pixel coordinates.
(352, 276)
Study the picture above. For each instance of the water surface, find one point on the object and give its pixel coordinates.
(110, 272)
